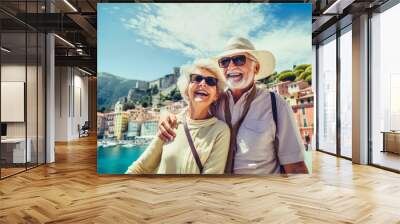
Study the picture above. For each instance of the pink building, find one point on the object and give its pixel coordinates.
(304, 113)
(282, 88)
(296, 87)
(109, 128)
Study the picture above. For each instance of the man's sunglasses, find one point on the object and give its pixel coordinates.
(210, 81)
(238, 60)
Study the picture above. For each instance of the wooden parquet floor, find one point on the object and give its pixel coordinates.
(70, 191)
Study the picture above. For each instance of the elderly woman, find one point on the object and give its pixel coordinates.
(202, 141)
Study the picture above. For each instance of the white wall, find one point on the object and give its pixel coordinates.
(62, 81)
(33, 126)
(71, 94)
(16, 73)
(13, 72)
(80, 110)
(10, 73)
(13, 101)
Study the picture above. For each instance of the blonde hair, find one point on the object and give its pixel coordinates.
(206, 64)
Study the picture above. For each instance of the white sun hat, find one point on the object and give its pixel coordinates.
(241, 45)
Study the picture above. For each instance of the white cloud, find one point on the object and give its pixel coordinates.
(201, 30)
(290, 44)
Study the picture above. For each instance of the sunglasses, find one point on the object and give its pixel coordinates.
(238, 60)
(210, 81)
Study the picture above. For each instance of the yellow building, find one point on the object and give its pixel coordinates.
(120, 121)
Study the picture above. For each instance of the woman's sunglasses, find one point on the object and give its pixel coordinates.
(238, 60)
(210, 81)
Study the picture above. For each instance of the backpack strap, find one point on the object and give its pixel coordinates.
(191, 144)
(234, 128)
(274, 110)
(275, 116)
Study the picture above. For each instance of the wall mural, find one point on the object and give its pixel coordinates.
(162, 66)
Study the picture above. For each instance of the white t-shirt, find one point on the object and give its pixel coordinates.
(255, 140)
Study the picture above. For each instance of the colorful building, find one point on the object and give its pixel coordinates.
(300, 97)
(109, 125)
(294, 90)
(101, 125)
(143, 114)
(296, 87)
(304, 113)
(172, 107)
(149, 128)
(120, 121)
(291, 100)
(134, 128)
(282, 88)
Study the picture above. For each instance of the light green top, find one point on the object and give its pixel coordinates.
(211, 140)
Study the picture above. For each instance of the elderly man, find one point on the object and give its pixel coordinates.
(264, 135)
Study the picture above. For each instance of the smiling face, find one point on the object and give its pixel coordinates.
(200, 93)
(240, 77)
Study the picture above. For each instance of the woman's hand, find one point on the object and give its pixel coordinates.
(165, 129)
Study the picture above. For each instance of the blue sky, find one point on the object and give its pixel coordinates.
(145, 41)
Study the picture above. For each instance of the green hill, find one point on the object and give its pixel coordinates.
(110, 88)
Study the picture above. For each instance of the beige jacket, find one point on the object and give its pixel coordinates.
(211, 140)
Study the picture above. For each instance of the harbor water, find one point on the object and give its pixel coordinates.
(116, 159)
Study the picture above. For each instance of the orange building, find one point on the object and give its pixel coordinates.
(304, 113)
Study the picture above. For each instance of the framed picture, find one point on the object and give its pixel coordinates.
(177, 70)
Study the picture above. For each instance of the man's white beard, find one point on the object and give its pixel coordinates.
(240, 85)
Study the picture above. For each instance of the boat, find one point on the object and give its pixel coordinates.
(109, 144)
(128, 145)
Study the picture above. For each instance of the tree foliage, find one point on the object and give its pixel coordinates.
(175, 95)
(129, 105)
(299, 72)
(287, 76)
(154, 90)
(302, 66)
